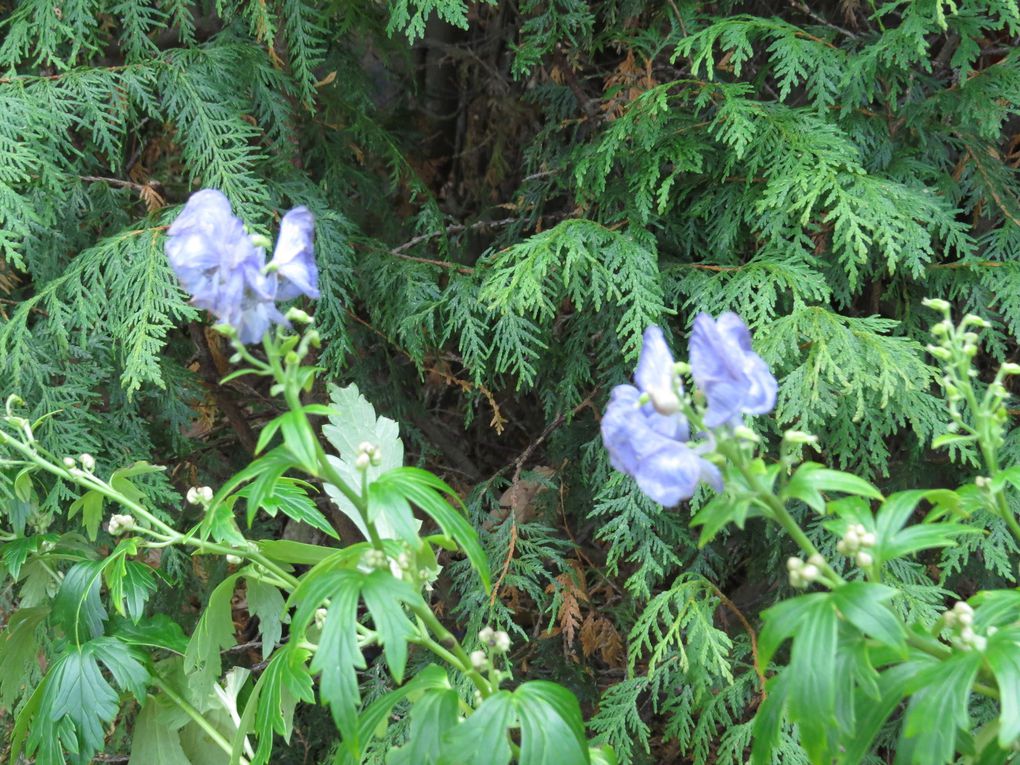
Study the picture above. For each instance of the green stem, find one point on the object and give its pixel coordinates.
(446, 638)
(195, 715)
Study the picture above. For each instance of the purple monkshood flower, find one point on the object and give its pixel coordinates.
(225, 271)
(649, 441)
(733, 378)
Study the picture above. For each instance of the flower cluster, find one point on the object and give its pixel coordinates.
(645, 431)
(224, 268)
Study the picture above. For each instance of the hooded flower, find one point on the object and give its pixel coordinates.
(649, 441)
(219, 264)
(294, 260)
(733, 378)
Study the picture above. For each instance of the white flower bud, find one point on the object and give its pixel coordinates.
(88, 462)
(965, 619)
(841, 547)
(936, 304)
(979, 642)
(992, 630)
(376, 456)
(320, 617)
(794, 564)
(967, 634)
(192, 496)
(864, 559)
(502, 642)
(365, 447)
(68, 462)
(205, 494)
(233, 560)
(744, 433)
(799, 437)
(362, 461)
(810, 573)
(479, 660)
(868, 539)
(118, 524)
(816, 559)
(487, 635)
(962, 607)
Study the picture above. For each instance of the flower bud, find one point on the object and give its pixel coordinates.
(69, 462)
(816, 559)
(298, 316)
(118, 524)
(362, 461)
(940, 353)
(502, 642)
(487, 635)
(810, 573)
(794, 564)
(1010, 368)
(936, 304)
(232, 559)
(479, 660)
(864, 559)
(868, 539)
(320, 617)
(88, 462)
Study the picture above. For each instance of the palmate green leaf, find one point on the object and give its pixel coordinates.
(426, 491)
(863, 605)
(941, 692)
(130, 583)
(552, 727)
(385, 595)
(1003, 657)
(372, 720)
(432, 715)
(871, 713)
(267, 603)
(388, 508)
(77, 607)
(290, 497)
(812, 697)
(155, 737)
(90, 505)
(77, 700)
(285, 682)
(213, 633)
(482, 738)
(811, 479)
(19, 645)
(155, 631)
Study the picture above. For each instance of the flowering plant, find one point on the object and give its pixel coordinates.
(321, 608)
(855, 654)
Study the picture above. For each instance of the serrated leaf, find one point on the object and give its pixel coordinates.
(811, 479)
(552, 728)
(266, 602)
(156, 631)
(384, 595)
(289, 551)
(77, 606)
(863, 605)
(1003, 656)
(90, 505)
(155, 737)
(812, 699)
(19, 645)
(482, 739)
(941, 692)
(285, 682)
(213, 633)
(434, 713)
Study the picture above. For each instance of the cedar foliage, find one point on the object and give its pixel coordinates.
(506, 194)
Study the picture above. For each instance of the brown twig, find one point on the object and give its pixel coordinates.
(750, 633)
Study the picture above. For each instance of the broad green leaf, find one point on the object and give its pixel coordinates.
(155, 739)
(768, 720)
(1003, 656)
(130, 583)
(90, 505)
(285, 682)
(213, 633)
(941, 692)
(288, 551)
(871, 712)
(434, 713)
(288, 496)
(14, 553)
(812, 699)
(552, 728)
(427, 492)
(299, 440)
(482, 739)
(372, 720)
(782, 621)
(389, 509)
(384, 595)
(120, 479)
(863, 605)
(266, 602)
(156, 631)
(77, 607)
(338, 656)
(19, 646)
(811, 479)
(995, 608)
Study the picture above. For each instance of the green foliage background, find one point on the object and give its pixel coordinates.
(506, 195)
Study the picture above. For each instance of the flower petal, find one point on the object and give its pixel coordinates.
(655, 373)
(294, 258)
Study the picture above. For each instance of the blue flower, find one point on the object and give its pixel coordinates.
(225, 272)
(646, 436)
(294, 260)
(733, 378)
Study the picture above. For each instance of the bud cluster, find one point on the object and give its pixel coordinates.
(367, 454)
(495, 641)
(374, 559)
(856, 543)
(199, 495)
(118, 524)
(804, 574)
(960, 619)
